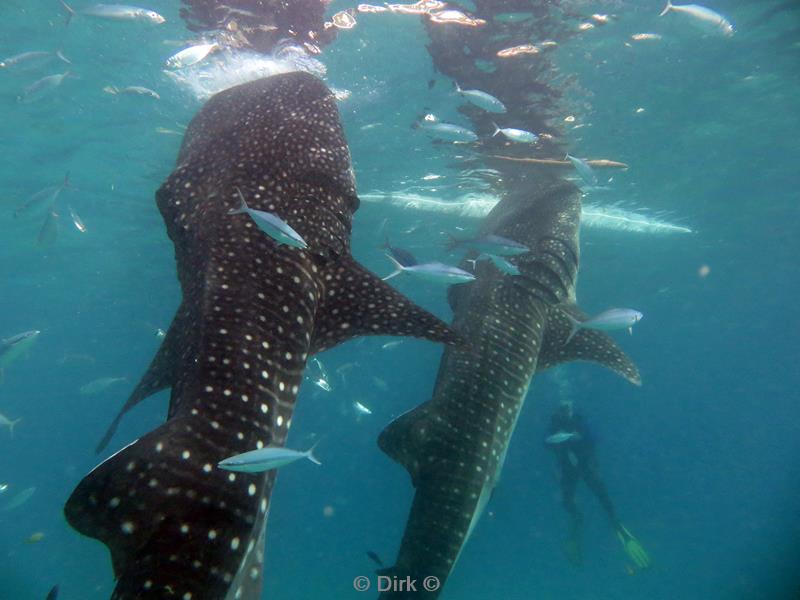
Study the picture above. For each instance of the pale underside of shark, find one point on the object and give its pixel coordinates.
(454, 445)
(252, 313)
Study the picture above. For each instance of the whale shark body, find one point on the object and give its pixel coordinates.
(454, 445)
(252, 313)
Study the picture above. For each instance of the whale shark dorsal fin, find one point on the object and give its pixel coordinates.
(586, 344)
(356, 302)
(404, 439)
(161, 372)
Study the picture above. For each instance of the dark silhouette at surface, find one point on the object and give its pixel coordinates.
(262, 24)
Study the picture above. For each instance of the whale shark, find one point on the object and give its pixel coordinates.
(251, 314)
(454, 445)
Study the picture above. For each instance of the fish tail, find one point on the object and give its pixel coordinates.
(496, 129)
(243, 208)
(310, 454)
(458, 87)
(11, 426)
(382, 230)
(137, 501)
(61, 57)
(575, 326)
(399, 268)
(667, 8)
(452, 241)
(69, 10)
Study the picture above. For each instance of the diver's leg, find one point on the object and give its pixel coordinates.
(591, 475)
(569, 482)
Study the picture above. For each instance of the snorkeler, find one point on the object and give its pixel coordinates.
(569, 437)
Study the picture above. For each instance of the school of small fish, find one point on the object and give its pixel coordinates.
(48, 205)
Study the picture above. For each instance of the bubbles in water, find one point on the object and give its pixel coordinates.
(233, 67)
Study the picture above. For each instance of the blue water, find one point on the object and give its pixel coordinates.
(701, 461)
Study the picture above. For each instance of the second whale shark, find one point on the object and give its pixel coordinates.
(454, 445)
(252, 313)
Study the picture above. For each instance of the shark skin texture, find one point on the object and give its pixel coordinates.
(454, 445)
(252, 313)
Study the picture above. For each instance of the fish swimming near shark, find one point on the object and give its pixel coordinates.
(266, 459)
(14, 347)
(97, 386)
(454, 445)
(10, 423)
(252, 313)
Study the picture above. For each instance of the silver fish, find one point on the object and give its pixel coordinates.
(516, 135)
(360, 408)
(702, 17)
(31, 60)
(271, 224)
(44, 198)
(609, 320)
(43, 87)
(15, 346)
(433, 271)
(482, 100)
(584, 170)
(18, 500)
(76, 220)
(132, 89)
(266, 459)
(97, 386)
(318, 375)
(447, 131)
(116, 12)
(489, 244)
(190, 56)
(503, 265)
(562, 436)
(640, 37)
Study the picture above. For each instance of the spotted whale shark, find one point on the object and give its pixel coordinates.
(252, 312)
(454, 445)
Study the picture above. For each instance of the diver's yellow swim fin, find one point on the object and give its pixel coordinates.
(633, 548)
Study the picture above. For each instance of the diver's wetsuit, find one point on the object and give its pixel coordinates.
(576, 459)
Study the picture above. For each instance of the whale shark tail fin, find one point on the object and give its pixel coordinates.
(561, 345)
(151, 527)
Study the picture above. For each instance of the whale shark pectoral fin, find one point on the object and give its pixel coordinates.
(586, 344)
(160, 374)
(357, 303)
(404, 439)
